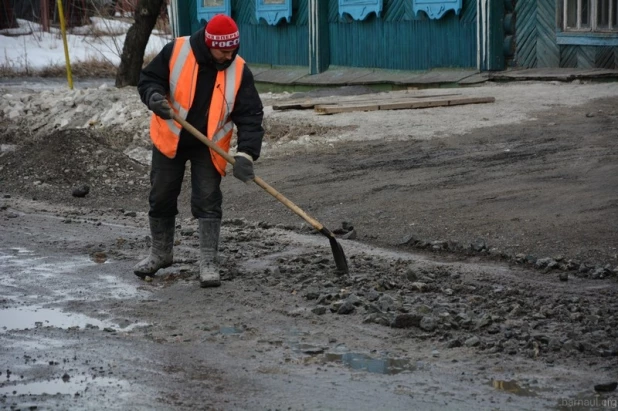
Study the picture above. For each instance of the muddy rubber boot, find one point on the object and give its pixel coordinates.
(161, 251)
(209, 245)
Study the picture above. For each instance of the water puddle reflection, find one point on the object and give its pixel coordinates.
(230, 330)
(64, 385)
(356, 361)
(63, 275)
(22, 318)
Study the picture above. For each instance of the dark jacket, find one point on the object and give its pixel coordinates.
(248, 111)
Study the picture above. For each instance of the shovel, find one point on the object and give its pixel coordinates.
(340, 260)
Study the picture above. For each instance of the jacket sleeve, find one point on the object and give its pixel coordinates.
(154, 78)
(247, 115)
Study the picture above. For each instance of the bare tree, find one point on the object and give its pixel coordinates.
(146, 14)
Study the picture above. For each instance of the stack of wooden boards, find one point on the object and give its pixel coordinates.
(374, 103)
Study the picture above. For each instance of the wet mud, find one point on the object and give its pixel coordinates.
(482, 276)
(80, 330)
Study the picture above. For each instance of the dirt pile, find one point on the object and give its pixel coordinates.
(51, 167)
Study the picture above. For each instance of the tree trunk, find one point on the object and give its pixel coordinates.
(132, 59)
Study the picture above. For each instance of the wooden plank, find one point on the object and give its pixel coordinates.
(401, 105)
(471, 100)
(332, 109)
(414, 105)
(297, 105)
(309, 104)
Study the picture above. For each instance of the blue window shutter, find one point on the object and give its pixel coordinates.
(435, 9)
(360, 9)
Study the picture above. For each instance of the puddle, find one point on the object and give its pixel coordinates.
(230, 330)
(46, 270)
(61, 386)
(7, 147)
(388, 366)
(59, 272)
(30, 344)
(512, 387)
(33, 317)
(118, 289)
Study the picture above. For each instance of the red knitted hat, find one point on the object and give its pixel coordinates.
(222, 33)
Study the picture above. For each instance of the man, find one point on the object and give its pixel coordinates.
(202, 79)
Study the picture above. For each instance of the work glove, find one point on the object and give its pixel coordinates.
(243, 167)
(159, 105)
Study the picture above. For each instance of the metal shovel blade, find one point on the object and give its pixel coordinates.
(340, 261)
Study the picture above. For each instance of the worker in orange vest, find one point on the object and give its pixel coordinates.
(202, 79)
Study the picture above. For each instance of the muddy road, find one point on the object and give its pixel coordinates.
(483, 274)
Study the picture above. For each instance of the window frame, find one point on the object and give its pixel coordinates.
(593, 16)
(587, 36)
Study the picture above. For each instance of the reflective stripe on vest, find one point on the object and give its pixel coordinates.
(165, 134)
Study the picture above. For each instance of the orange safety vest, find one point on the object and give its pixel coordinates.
(165, 134)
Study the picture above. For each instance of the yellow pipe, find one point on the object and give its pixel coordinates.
(66, 46)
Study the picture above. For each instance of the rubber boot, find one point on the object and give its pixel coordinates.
(209, 245)
(161, 251)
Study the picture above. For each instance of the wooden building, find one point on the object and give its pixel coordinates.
(415, 35)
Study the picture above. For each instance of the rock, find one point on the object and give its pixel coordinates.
(478, 245)
(319, 310)
(554, 344)
(311, 349)
(81, 191)
(423, 309)
(350, 235)
(419, 286)
(411, 274)
(346, 308)
(563, 277)
(609, 387)
(406, 320)
(428, 323)
(373, 295)
(354, 300)
(472, 341)
(438, 245)
(189, 232)
(547, 263)
(484, 321)
(454, 343)
(386, 303)
(377, 318)
(409, 239)
(324, 299)
(372, 308)
(599, 273)
(311, 294)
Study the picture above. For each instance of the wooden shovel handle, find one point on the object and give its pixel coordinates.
(230, 159)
